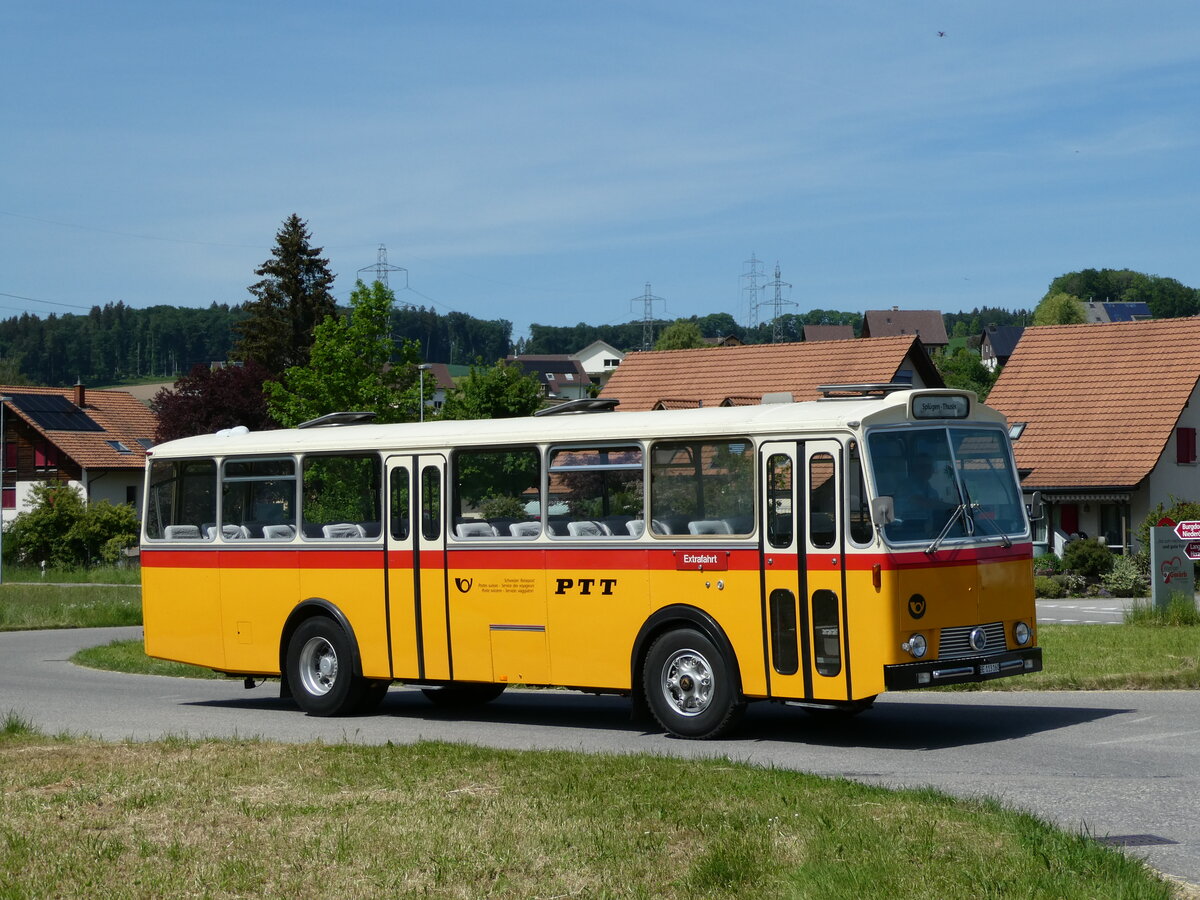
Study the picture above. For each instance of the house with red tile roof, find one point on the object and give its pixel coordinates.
(95, 440)
(562, 377)
(927, 324)
(734, 376)
(1105, 419)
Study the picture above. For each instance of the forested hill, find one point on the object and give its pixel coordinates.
(117, 343)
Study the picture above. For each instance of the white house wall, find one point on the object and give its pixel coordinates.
(1170, 479)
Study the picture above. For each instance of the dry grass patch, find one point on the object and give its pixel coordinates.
(247, 818)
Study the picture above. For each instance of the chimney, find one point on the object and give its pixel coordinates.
(80, 394)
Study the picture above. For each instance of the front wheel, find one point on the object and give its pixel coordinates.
(690, 686)
(320, 665)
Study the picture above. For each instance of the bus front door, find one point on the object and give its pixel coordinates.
(822, 527)
(785, 615)
(416, 567)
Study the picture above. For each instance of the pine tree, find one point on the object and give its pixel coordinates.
(292, 298)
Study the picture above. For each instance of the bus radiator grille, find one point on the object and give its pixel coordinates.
(955, 643)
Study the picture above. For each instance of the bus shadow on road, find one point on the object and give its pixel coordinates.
(894, 725)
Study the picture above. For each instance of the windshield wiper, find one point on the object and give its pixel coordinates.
(1005, 540)
(960, 510)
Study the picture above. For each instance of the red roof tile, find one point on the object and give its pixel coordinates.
(119, 413)
(677, 378)
(1100, 400)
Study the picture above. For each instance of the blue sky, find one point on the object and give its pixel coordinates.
(543, 161)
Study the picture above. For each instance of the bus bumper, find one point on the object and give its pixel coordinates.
(907, 676)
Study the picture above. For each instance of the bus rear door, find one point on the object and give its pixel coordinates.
(416, 573)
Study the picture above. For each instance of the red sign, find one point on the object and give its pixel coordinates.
(1188, 531)
(702, 560)
(1192, 549)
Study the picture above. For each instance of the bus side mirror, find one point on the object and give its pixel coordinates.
(1036, 509)
(883, 511)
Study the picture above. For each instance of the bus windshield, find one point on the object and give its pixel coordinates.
(947, 483)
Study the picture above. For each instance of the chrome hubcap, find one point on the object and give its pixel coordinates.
(318, 666)
(687, 682)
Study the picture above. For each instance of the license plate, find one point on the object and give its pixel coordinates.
(989, 669)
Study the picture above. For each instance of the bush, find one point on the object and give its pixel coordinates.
(62, 531)
(1072, 585)
(1127, 577)
(1047, 587)
(1179, 511)
(1087, 557)
(1047, 565)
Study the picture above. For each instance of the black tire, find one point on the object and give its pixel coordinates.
(690, 686)
(372, 695)
(320, 665)
(465, 694)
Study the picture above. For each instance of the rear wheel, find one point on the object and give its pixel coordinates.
(466, 694)
(321, 669)
(690, 686)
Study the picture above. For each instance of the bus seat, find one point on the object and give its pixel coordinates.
(234, 532)
(182, 532)
(709, 526)
(474, 529)
(660, 527)
(279, 532)
(343, 530)
(636, 527)
(588, 528)
(525, 529)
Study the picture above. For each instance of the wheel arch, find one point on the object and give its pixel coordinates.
(309, 609)
(669, 618)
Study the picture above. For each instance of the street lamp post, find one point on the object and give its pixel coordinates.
(422, 369)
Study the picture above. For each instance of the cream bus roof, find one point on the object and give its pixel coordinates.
(765, 420)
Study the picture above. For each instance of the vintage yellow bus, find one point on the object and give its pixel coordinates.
(812, 553)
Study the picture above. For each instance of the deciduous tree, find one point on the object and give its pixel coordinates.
(499, 392)
(207, 400)
(354, 366)
(1059, 309)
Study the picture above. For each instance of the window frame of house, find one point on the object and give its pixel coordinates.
(1185, 446)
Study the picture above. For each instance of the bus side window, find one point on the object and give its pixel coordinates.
(182, 498)
(602, 490)
(703, 487)
(398, 512)
(342, 496)
(493, 491)
(258, 498)
(860, 509)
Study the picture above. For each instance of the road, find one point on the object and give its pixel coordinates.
(1124, 765)
(1083, 610)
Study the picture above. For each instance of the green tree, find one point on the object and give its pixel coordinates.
(353, 366)
(290, 300)
(1059, 309)
(680, 335)
(964, 369)
(501, 391)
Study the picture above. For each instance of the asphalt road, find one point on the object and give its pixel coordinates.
(1083, 610)
(1123, 765)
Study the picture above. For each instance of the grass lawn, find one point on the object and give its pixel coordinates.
(25, 606)
(251, 818)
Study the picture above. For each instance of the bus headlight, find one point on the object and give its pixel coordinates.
(1021, 634)
(915, 645)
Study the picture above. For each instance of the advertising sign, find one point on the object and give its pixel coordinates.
(1171, 570)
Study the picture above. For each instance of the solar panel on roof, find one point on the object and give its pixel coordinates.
(54, 412)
